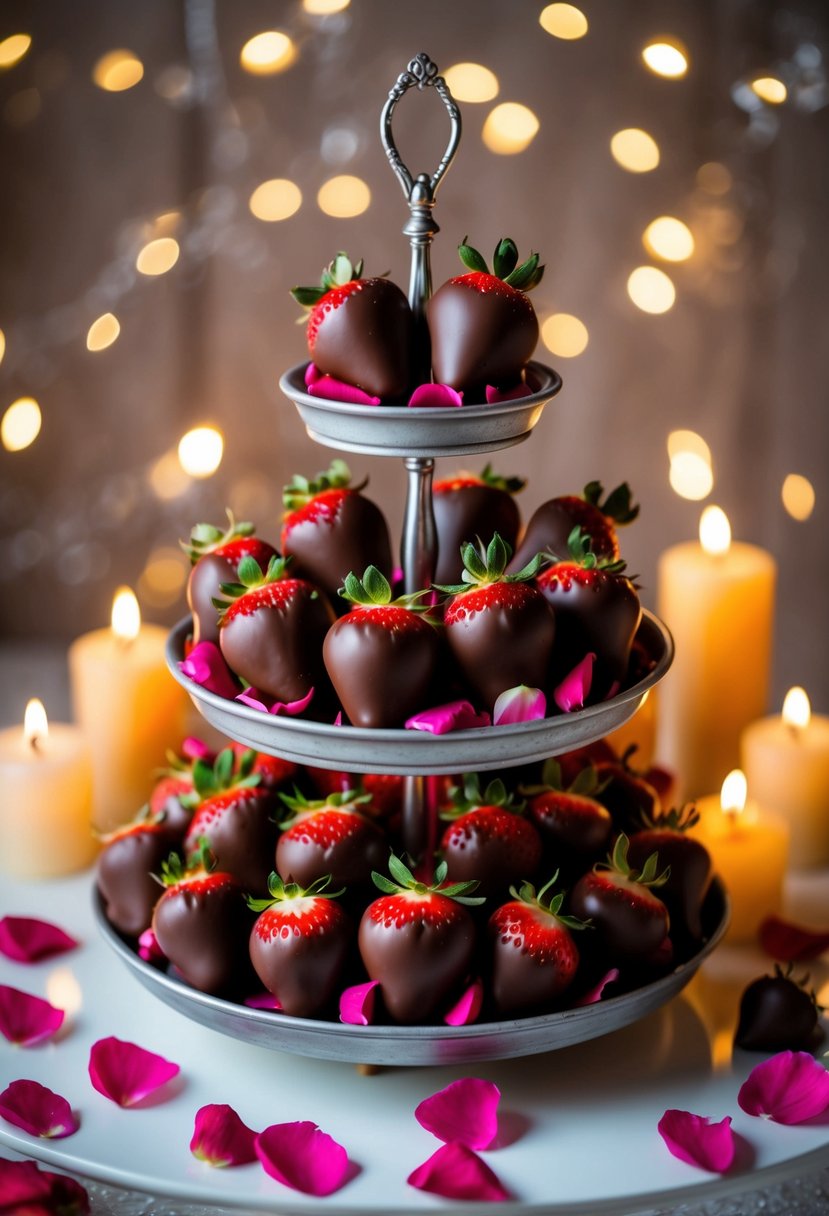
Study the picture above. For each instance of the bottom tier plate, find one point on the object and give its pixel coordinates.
(420, 1045)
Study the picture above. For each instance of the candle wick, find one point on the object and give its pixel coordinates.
(35, 744)
(794, 730)
(124, 643)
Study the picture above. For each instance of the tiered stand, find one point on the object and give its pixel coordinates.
(419, 436)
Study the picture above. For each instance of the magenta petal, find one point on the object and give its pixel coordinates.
(338, 721)
(465, 1011)
(221, 1138)
(196, 749)
(789, 1088)
(338, 390)
(465, 1111)
(27, 1019)
(519, 704)
(595, 994)
(302, 1157)
(260, 700)
(494, 394)
(435, 395)
(574, 689)
(149, 949)
(125, 1073)
(791, 943)
(38, 1110)
(455, 715)
(455, 1172)
(357, 1004)
(263, 1000)
(21, 1182)
(312, 374)
(205, 665)
(697, 1141)
(27, 940)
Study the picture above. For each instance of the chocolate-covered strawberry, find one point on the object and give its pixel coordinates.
(482, 325)
(386, 789)
(597, 611)
(688, 860)
(380, 656)
(573, 825)
(534, 958)
(331, 528)
(274, 772)
(488, 837)
(627, 794)
(329, 836)
(619, 901)
(778, 1013)
(271, 630)
(173, 798)
(466, 506)
(417, 941)
(498, 626)
(130, 856)
(555, 519)
(215, 554)
(360, 330)
(300, 943)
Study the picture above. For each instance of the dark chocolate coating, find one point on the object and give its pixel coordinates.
(241, 836)
(368, 340)
(325, 550)
(125, 877)
(468, 512)
(629, 919)
(571, 823)
(494, 846)
(599, 615)
(204, 934)
(348, 854)
(776, 1014)
(479, 337)
(203, 585)
(301, 969)
(522, 981)
(687, 884)
(630, 799)
(548, 531)
(165, 800)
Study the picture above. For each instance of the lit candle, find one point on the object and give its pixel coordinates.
(46, 812)
(717, 598)
(129, 707)
(786, 759)
(749, 848)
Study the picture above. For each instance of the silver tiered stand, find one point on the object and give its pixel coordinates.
(419, 436)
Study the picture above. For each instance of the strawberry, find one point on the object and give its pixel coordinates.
(172, 799)
(488, 839)
(380, 656)
(271, 629)
(569, 820)
(551, 525)
(126, 864)
(386, 789)
(572, 762)
(686, 887)
(534, 956)
(299, 944)
(499, 628)
(360, 330)
(467, 506)
(329, 836)
(330, 528)
(626, 793)
(778, 1013)
(482, 326)
(418, 941)
(215, 556)
(273, 771)
(630, 920)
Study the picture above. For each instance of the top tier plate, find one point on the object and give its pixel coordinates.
(384, 430)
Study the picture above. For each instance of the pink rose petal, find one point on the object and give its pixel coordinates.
(267, 704)
(611, 692)
(455, 715)
(789, 1088)
(338, 390)
(465, 1111)
(125, 1073)
(24, 1188)
(574, 689)
(467, 1010)
(205, 665)
(357, 1004)
(697, 1141)
(455, 1172)
(196, 749)
(494, 395)
(221, 1138)
(302, 1157)
(338, 721)
(595, 994)
(263, 1000)
(440, 396)
(791, 943)
(27, 1019)
(519, 704)
(312, 374)
(38, 1110)
(149, 949)
(25, 939)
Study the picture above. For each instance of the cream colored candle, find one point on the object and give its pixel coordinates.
(129, 707)
(717, 599)
(749, 848)
(786, 761)
(46, 811)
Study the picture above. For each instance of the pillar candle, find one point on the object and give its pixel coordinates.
(129, 707)
(46, 811)
(786, 761)
(717, 599)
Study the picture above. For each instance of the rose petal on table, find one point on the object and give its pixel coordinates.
(790, 943)
(196, 749)
(269, 705)
(312, 374)
(357, 1004)
(24, 939)
(574, 689)
(597, 991)
(697, 1141)
(789, 1088)
(466, 1010)
(439, 396)
(338, 390)
(302, 1157)
(38, 1110)
(456, 1172)
(495, 395)
(454, 715)
(220, 1138)
(519, 704)
(26, 1019)
(125, 1073)
(205, 665)
(149, 949)
(466, 1111)
(263, 1000)
(25, 1188)
(69, 1198)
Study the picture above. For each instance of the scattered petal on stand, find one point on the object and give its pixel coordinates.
(24, 939)
(789, 1088)
(494, 395)
(220, 1138)
(439, 396)
(466, 1010)
(312, 374)
(337, 390)
(149, 949)
(37, 1110)
(465, 1111)
(519, 704)
(456, 1172)
(268, 705)
(597, 992)
(263, 1000)
(26, 1019)
(454, 715)
(197, 749)
(302, 1157)
(205, 665)
(357, 1004)
(697, 1141)
(125, 1073)
(574, 689)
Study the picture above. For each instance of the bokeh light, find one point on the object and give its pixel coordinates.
(324, 8)
(21, 424)
(117, 71)
(344, 196)
(563, 21)
(200, 451)
(651, 289)
(103, 332)
(2, 345)
(167, 478)
(668, 238)
(770, 89)
(635, 150)
(714, 178)
(564, 335)
(162, 579)
(276, 199)
(691, 476)
(510, 128)
(688, 441)
(13, 48)
(668, 59)
(267, 53)
(471, 82)
(798, 496)
(158, 256)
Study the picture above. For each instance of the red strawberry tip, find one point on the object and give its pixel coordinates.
(301, 490)
(374, 590)
(551, 904)
(337, 273)
(405, 880)
(207, 538)
(174, 870)
(617, 863)
(482, 567)
(341, 800)
(250, 577)
(511, 485)
(586, 783)
(282, 892)
(618, 506)
(469, 797)
(505, 264)
(222, 775)
(673, 820)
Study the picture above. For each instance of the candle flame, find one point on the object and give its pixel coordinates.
(35, 723)
(796, 708)
(715, 531)
(734, 792)
(126, 615)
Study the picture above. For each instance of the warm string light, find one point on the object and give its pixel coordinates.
(158, 256)
(103, 332)
(666, 58)
(35, 725)
(651, 290)
(118, 71)
(797, 712)
(564, 335)
(276, 199)
(563, 21)
(691, 475)
(770, 89)
(268, 53)
(200, 451)
(510, 128)
(798, 495)
(668, 238)
(13, 48)
(344, 197)
(20, 425)
(635, 150)
(471, 82)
